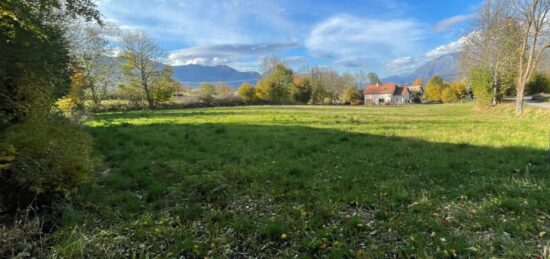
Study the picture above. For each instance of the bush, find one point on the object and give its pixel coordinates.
(481, 82)
(455, 93)
(49, 159)
(538, 84)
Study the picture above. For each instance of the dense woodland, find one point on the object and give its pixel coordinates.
(55, 73)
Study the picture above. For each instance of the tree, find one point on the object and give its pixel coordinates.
(434, 89)
(302, 89)
(165, 86)
(223, 91)
(269, 63)
(276, 87)
(247, 92)
(350, 94)
(142, 57)
(418, 82)
(481, 84)
(373, 78)
(361, 79)
(491, 46)
(207, 92)
(532, 16)
(90, 50)
(456, 92)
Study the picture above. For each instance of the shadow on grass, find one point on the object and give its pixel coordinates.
(241, 187)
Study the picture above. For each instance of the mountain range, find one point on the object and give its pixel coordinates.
(193, 75)
(445, 66)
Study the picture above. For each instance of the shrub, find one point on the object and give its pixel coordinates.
(481, 82)
(247, 92)
(455, 93)
(50, 158)
(538, 84)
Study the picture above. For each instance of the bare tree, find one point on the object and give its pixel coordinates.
(361, 78)
(491, 46)
(269, 63)
(533, 19)
(90, 50)
(143, 58)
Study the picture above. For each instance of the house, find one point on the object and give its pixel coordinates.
(416, 92)
(386, 94)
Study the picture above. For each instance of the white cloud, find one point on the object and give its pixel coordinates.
(220, 54)
(449, 23)
(455, 46)
(408, 64)
(344, 35)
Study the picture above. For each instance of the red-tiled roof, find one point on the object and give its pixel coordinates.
(386, 89)
(380, 89)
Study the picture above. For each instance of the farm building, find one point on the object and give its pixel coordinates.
(386, 94)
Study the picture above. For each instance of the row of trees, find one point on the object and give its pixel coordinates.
(281, 85)
(505, 47)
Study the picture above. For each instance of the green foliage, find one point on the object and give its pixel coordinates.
(277, 86)
(455, 93)
(165, 86)
(538, 84)
(52, 159)
(434, 89)
(482, 86)
(302, 90)
(207, 92)
(34, 69)
(247, 92)
(350, 94)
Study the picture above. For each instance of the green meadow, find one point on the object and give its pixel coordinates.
(314, 181)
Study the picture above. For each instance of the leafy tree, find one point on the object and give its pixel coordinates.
(141, 56)
(538, 84)
(418, 81)
(373, 78)
(434, 89)
(247, 92)
(165, 86)
(207, 93)
(276, 88)
(350, 94)
(482, 85)
(302, 90)
(42, 155)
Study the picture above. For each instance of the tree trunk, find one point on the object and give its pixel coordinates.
(519, 96)
(495, 91)
(149, 96)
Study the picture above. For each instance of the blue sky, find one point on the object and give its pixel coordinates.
(385, 36)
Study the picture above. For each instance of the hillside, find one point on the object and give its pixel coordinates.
(196, 74)
(445, 66)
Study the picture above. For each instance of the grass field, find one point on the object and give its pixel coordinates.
(413, 181)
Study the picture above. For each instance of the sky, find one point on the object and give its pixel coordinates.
(389, 37)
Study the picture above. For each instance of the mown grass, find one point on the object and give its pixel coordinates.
(413, 181)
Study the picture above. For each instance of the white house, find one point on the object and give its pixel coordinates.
(386, 94)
